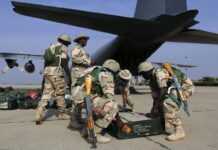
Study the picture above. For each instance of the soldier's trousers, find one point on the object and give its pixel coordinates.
(106, 109)
(171, 109)
(76, 73)
(157, 107)
(53, 90)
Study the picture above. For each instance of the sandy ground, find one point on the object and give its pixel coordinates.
(18, 131)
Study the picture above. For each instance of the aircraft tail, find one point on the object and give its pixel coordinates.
(148, 9)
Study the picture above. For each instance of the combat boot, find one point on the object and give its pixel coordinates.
(178, 135)
(169, 128)
(101, 138)
(39, 115)
(74, 123)
(130, 103)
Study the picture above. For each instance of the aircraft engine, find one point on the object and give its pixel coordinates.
(29, 67)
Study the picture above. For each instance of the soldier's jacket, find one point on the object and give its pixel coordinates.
(80, 57)
(102, 85)
(55, 68)
(106, 81)
(161, 79)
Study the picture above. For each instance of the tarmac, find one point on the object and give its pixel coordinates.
(19, 132)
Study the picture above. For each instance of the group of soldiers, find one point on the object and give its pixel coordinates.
(60, 82)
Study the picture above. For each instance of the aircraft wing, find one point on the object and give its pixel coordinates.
(196, 36)
(15, 56)
(175, 64)
(101, 22)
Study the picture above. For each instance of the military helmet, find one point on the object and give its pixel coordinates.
(125, 74)
(65, 37)
(112, 65)
(145, 66)
(80, 37)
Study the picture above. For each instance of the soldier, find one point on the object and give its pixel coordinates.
(150, 74)
(56, 66)
(80, 59)
(123, 85)
(167, 100)
(105, 108)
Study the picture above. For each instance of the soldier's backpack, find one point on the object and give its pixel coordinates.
(51, 55)
(94, 72)
(179, 74)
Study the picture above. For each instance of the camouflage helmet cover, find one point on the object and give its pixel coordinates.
(125, 74)
(112, 65)
(65, 38)
(145, 66)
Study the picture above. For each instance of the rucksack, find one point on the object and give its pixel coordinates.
(94, 73)
(180, 75)
(51, 54)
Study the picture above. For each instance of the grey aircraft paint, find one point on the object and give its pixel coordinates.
(156, 22)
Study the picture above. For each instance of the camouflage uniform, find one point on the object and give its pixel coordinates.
(102, 96)
(172, 106)
(157, 81)
(80, 62)
(54, 82)
(167, 101)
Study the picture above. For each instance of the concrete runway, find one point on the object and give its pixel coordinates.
(18, 131)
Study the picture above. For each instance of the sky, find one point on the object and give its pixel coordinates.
(25, 34)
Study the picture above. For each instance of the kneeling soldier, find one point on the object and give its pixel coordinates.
(167, 99)
(102, 95)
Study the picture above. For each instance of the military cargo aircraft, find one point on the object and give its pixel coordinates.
(29, 67)
(11, 61)
(155, 22)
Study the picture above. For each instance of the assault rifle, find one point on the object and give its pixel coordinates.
(178, 88)
(90, 121)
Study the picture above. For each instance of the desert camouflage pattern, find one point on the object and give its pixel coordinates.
(171, 109)
(170, 105)
(162, 77)
(53, 89)
(106, 109)
(104, 105)
(159, 80)
(54, 85)
(57, 70)
(80, 61)
(80, 57)
(188, 88)
(107, 84)
(76, 72)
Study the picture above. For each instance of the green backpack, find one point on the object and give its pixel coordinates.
(51, 55)
(94, 73)
(180, 75)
